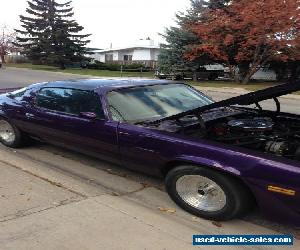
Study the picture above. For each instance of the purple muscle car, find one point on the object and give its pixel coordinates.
(218, 159)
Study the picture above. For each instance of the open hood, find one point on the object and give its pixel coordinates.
(247, 99)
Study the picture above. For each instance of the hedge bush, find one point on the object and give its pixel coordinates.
(136, 67)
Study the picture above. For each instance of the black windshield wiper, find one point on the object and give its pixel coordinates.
(147, 122)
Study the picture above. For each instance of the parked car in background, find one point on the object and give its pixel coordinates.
(214, 72)
(218, 159)
(207, 72)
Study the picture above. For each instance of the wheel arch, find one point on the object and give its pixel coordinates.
(199, 161)
(6, 117)
(2, 114)
(236, 175)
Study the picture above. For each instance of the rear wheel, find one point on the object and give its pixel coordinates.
(10, 135)
(212, 77)
(208, 193)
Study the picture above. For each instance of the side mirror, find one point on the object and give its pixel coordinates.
(88, 115)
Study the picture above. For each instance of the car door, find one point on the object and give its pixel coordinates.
(74, 119)
(143, 149)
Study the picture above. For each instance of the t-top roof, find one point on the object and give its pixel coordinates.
(92, 84)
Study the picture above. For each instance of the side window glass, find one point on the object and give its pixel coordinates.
(70, 101)
(52, 98)
(85, 101)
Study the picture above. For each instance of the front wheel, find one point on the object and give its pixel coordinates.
(10, 135)
(208, 193)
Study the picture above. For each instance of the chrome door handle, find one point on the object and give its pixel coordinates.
(29, 115)
(123, 133)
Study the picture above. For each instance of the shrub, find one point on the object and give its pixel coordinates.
(135, 67)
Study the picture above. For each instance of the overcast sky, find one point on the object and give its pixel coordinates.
(120, 22)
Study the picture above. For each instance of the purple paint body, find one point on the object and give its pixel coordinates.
(153, 151)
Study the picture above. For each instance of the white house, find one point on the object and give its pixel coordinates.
(144, 52)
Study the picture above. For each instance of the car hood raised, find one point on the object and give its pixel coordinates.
(246, 99)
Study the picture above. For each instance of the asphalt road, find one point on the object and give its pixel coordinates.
(91, 177)
(13, 77)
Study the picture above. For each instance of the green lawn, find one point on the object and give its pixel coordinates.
(106, 73)
(92, 72)
(31, 66)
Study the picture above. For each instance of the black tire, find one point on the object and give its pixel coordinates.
(16, 141)
(212, 77)
(238, 198)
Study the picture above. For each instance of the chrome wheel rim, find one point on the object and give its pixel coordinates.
(7, 132)
(201, 193)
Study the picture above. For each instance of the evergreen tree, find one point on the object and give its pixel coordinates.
(50, 35)
(179, 38)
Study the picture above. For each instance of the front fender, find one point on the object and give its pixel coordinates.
(211, 163)
(2, 113)
(274, 206)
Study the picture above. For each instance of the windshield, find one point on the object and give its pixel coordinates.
(149, 103)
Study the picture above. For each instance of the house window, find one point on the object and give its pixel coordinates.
(127, 58)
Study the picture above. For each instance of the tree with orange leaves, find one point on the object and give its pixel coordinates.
(247, 35)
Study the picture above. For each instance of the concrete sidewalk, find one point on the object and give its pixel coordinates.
(51, 202)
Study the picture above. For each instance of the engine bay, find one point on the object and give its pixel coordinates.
(265, 131)
(276, 135)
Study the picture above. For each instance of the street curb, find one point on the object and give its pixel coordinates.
(55, 72)
(83, 75)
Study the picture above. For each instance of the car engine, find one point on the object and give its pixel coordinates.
(279, 135)
(268, 132)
